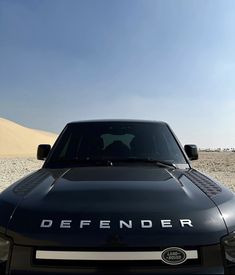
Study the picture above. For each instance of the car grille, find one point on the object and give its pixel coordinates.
(106, 264)
(23, 258)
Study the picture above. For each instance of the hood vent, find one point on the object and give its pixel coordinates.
(208, 186)
(29, 183)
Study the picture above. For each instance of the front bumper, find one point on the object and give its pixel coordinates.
(23, 262)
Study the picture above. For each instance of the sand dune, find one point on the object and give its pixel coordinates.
(17, 140)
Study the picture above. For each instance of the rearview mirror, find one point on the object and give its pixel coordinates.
(43, 151)
(191, 151)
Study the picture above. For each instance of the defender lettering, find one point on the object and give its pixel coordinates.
(127, 224)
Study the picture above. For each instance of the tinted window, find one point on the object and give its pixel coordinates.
(117, 140)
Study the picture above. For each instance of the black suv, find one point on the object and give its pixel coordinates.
(117, 197)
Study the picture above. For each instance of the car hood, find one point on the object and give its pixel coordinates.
(56, 202)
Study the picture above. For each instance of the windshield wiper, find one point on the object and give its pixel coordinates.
(111, 161)
(157, 162)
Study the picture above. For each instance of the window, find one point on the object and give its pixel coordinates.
(117, 140)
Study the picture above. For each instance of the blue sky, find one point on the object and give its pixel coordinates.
(169, 60)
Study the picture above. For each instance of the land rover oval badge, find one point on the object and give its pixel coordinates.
(174, 256)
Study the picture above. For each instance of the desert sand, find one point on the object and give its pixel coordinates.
(220, 166)
(18, 141)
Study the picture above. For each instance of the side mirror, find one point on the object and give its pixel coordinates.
(191, 151)
(43, 151)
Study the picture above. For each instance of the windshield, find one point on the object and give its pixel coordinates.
(112, 141)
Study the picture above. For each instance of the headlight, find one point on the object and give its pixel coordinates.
(4, 254)
(228, 243)
(4, 249)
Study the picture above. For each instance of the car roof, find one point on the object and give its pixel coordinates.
(117, 120)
